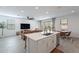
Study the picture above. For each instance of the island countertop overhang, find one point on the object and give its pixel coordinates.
(39, 35)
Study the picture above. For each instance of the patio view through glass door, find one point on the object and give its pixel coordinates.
(6, 28)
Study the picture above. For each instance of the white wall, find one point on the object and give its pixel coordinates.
(33, 23)
(17, 21)
(73, 24)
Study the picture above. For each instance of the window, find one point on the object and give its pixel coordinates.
(10, 24)
(47, 24)
(64, 24)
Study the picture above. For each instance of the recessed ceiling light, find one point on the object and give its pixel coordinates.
(73, 11)
(36, 8)
(47, 12)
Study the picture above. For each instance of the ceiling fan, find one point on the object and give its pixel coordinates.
(30, 18)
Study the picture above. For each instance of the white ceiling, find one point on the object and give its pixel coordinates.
(42, 12)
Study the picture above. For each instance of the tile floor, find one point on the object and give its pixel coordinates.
(68, 46)
(11, 45)
(16, 45)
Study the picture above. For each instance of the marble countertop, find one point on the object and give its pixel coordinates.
(38, 35)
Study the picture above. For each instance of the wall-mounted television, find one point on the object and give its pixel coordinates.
(25, 26)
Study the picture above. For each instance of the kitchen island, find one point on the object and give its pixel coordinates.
(39, 43)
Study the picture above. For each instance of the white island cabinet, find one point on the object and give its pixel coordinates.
(39, 43)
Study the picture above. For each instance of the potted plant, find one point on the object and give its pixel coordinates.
(2, 27)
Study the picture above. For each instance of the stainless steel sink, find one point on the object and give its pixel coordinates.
(47, 34)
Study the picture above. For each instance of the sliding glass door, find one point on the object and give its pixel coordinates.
(7, 28)
(47, 24)
(2, 26)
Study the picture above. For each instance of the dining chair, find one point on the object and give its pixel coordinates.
(68, 35)
(62, 35)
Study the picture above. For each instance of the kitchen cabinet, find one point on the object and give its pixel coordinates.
(38, 43)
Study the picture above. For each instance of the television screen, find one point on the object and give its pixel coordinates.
(25, 26)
